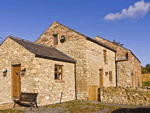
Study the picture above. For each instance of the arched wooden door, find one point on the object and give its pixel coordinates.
(16, 81)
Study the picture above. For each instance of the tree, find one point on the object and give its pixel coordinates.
(148, 67)
(117, 43)
(1, 40)
(144, 70)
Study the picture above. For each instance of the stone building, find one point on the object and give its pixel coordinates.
(34, 68)
(128, 65)
(95, 61)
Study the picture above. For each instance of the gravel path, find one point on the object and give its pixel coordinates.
(124, 109)
(121, 105)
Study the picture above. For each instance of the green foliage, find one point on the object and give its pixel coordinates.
(144, 70)
(1, 40)
(146, 83)
(117, 43)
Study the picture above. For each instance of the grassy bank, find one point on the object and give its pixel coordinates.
(146, 83)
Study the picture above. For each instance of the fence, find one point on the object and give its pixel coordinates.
(145, 77)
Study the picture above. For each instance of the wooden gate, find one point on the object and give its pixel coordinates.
(16, 81)
(93, 93)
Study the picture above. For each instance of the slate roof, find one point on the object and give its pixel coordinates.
(43, 51)
(121, 47)
(88, 38)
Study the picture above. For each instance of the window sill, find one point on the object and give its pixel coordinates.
(59, 81)
(106, 62)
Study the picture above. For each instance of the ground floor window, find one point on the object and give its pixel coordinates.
(58, 72)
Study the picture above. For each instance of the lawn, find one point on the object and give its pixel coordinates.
(80, 106)
(77, 106)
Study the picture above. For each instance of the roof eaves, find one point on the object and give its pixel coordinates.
(135, 56)
(48, 57)
(65, 54)
(110, 42)
(52, 58)
(104, 45)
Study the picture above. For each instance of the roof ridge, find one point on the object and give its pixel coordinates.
(88, 38)
(28, 41)
(111, 42)
(71, 29)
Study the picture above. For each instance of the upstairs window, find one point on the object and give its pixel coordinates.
(126, 55)
(105, 56)
(110, 76)
(55, 39)
(58, 72)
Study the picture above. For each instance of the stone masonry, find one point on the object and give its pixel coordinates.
(121, 95)
(89, 57)
(39, 75)
(128, 70)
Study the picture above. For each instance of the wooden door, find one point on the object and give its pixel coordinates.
(93, 93)
(16, 81)
(100, 77)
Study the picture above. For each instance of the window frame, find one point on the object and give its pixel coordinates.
(58, 67)
(105, 56)
(55, 39)
(110, 76)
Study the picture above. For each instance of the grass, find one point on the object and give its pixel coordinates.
(76, 106)
(80, 106)
(11, 111)
(146, 83)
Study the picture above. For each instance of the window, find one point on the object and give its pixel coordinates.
(110, 76)
(105, 56)
(58, 72)
(126, 55)
(55, 39)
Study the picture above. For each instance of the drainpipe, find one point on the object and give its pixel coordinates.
(116, 69)
(75, 81)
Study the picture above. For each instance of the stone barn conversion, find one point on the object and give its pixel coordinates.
(29, 67)
(128, 65)
(63, 64)
(95, 64)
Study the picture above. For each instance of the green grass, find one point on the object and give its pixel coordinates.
(146, 83)
(76, 106)
(80, 106)
(11, 111)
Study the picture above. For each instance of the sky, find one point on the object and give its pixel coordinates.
(126, 21)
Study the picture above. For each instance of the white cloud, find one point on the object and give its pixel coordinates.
(139, 9)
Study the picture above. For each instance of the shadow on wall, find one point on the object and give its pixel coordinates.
(135, 110)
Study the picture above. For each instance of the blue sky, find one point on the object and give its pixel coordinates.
(126, 21)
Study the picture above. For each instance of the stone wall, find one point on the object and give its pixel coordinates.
(95, 61)
(89, 56)
(39, 75)
(130, 70)
(129, 96)
(75, 47)
(124, 74)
